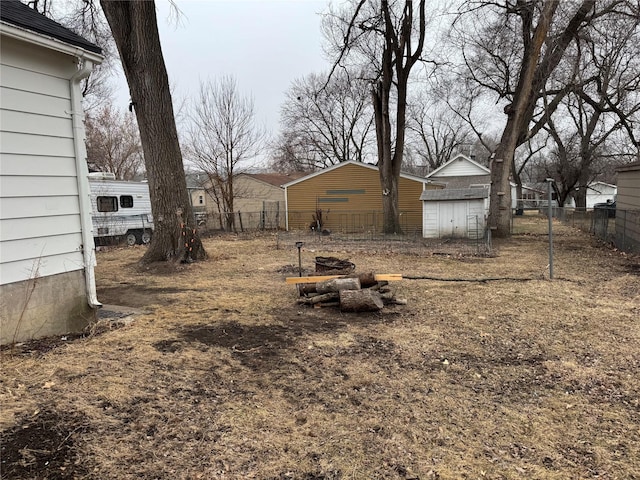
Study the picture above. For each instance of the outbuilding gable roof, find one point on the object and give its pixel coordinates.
(358, 164)
(479, 169)
(20, 15)
(454, 194)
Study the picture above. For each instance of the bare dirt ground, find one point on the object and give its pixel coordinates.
(225, 377)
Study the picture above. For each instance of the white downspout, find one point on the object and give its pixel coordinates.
(286, 209)
(82, 172)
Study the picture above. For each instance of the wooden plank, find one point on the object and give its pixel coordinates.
(389, 277)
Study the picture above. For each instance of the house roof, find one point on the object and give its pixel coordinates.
(456, 158)
(359, 164)
(20, 15)
(276, 179)
(592, 185)
(455, 194)
(196, 181)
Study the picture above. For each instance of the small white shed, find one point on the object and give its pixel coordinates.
(47, 253)
(454, 212)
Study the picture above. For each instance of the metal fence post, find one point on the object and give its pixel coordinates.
(550, 215)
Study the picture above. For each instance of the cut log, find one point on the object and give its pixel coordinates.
(360, 301)
(305, 289)
(327, 297)
(337, 285)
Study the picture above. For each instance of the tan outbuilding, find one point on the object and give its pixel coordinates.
(347, 198)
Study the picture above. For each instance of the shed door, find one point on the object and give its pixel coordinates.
(452, 219)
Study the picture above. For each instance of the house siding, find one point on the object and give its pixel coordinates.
(40, 226)
(350, 198)
(628, 197)
(628, 209)
(262, 205)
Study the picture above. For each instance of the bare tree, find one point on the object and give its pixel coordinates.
(436, 130)
(223, 138)
(513, 49)
(602, 104)
(135, 31)
(113, 142)
(327, 122)
(391, 38)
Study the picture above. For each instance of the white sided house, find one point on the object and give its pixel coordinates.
(600, 192)
(47, 255)
(120, 210)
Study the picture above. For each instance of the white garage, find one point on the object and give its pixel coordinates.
(454, 212)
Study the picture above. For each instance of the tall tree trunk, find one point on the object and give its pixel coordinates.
(135, 31)
(519, 114)
(386, 168)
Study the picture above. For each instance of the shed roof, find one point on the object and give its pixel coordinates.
(454, 194)
(465, 181)
(20, 15)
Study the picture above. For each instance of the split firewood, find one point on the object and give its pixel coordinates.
(365, 300)
(337, 285)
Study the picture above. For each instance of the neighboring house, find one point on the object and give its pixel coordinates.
(533, 195)
(628, 208)
(196, 183)
(47, 255)
(260, 198)
(600, 192)
(347, 197)
(597, 192)
(463, 172)
(454, 212)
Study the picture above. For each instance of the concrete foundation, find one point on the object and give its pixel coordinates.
(44, 306)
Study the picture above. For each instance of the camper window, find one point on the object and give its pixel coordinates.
(126, 201)
(107, 204)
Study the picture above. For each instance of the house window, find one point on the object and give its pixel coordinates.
(107, 204)
(201, 199)
(126, 201)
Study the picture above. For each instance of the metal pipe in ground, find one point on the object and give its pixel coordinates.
(550, 215)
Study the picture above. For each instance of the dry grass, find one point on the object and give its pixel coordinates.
(225, 377)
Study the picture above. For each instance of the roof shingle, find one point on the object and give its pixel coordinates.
(20, 15)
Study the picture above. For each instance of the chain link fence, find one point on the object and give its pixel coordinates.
(618, 227)
(354, 230)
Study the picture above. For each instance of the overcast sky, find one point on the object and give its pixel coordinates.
(264, 44)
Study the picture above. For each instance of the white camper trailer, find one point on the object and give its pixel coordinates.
(120, 209)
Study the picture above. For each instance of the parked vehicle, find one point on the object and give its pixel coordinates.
(121, 210)
(609, 207)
